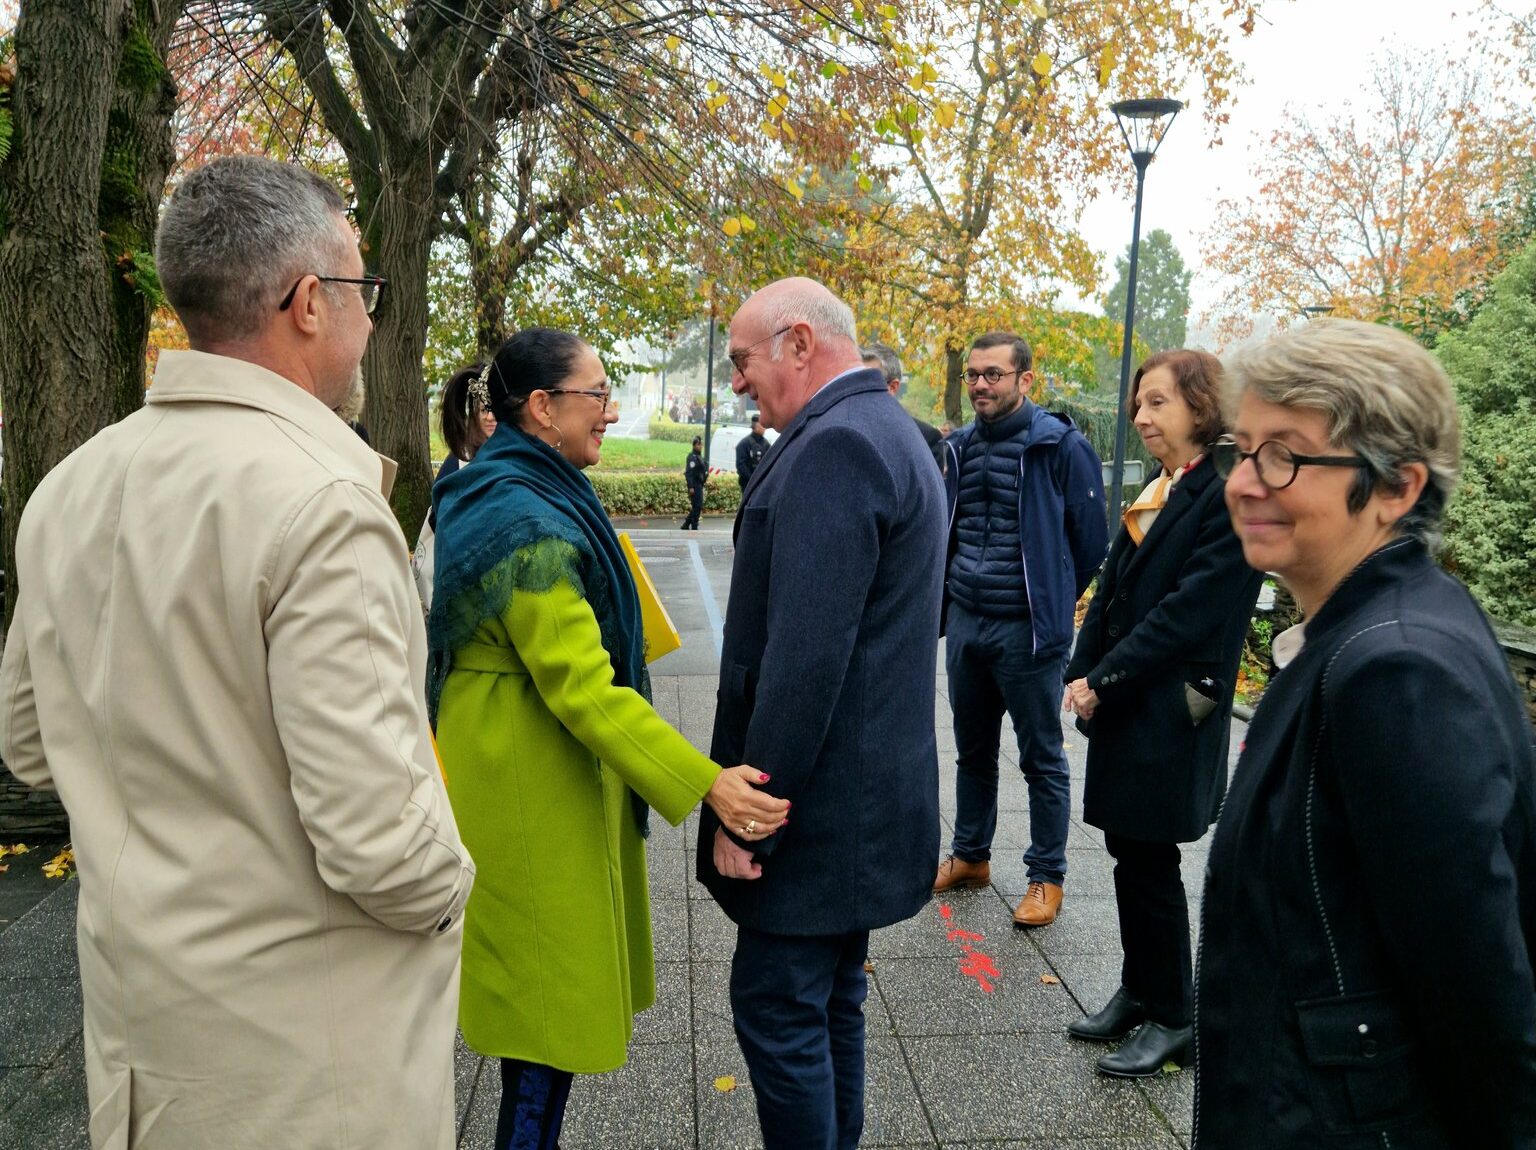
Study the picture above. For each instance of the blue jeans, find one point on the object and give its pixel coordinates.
(798, 1004)
(992, 670)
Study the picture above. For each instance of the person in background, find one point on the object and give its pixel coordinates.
(1151, 683)
(884, 359)
(467, 421)
(1027, 507)
(827, 672)
(1369, 919)
(750, 452)
(467, 418)
(216, 659)
(695, 474)
(550, 746)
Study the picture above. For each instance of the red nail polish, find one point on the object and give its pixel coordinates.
(762, 778)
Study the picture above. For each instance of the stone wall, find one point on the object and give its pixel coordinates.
(1520, 646)
(25, 813)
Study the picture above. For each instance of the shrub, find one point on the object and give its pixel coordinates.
(1490, 534)
(659, 493)
(662, 427)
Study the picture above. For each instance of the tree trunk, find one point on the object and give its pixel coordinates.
(140, 150)
(54, 368)
(954, 376)
(487, 279)
(397, 236)
(79, 195)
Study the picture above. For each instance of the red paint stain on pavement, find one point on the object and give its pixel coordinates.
(974, 963)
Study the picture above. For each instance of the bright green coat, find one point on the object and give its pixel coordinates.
(540, 749)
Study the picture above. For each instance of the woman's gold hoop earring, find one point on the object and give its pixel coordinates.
(561, 434)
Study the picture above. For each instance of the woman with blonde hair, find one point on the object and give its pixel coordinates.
(1369, 917)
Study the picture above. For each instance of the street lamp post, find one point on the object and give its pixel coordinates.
(1143, 124)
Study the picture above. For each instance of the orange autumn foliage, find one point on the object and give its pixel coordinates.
(1389, 210)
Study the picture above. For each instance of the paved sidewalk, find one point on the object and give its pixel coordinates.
(950, 1064)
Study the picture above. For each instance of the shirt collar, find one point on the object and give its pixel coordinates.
(201, 377)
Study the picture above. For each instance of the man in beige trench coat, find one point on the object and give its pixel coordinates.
(217, 658)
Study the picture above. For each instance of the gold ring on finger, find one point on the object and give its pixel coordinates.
(751, 826)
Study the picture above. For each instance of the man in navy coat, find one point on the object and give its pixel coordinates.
(827, 684)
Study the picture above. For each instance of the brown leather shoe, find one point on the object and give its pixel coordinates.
(1039, 906)
(961, 874)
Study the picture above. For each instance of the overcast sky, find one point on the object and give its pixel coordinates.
(1308, 54)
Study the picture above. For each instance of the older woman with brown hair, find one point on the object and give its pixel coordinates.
(1369, 917)
(1151, 682)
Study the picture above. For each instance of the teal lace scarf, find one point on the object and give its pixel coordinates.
(520, 491)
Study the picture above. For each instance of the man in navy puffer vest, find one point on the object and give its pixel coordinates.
(1027, 535)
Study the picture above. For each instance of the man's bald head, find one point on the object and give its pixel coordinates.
(801, 300)
(787, 341)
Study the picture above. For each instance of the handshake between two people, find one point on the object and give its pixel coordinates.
(751, 814)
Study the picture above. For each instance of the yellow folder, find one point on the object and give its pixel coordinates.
(661, 637)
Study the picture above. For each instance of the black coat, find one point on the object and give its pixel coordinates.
(827, 672)
(749, 453)
(1170, 612)
(1369, 919)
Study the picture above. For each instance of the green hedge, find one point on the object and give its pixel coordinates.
(663, 428)
(649, 493)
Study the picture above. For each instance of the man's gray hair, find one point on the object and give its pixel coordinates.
(809, 302)
(890, 363)
(236, 235)
(1383, 395)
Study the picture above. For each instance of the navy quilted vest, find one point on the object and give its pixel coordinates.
(986, 575)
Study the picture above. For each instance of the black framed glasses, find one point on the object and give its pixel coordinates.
(604, 394)
(371, 288)
(993, 375)
(741, 355)
(1274, 462)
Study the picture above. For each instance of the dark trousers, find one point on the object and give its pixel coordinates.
(1154, 927)
(992, 671)
(533, 1101)
(695, 506)
(798, 1004)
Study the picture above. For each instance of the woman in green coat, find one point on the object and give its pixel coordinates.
(552, 751)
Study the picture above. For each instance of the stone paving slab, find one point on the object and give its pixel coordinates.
(950, 1065)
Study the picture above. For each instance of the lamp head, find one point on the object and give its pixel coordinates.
(1144, 123)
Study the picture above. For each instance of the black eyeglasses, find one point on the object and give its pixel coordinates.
(371, 288)
(740, 356)
(605, 394)
(993, 375)
(1275, 463)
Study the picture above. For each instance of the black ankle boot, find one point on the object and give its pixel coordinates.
(1145, 1052)
(1122, 1015)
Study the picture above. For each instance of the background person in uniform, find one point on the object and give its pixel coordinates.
(827, 674)
(885, 360)
(549, 742)
(1369, 917)
(1151, 682)
(750, 452)
(222, 648)
(695, 475)
(1027, 507)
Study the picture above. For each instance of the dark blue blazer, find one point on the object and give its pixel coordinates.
(827, 670)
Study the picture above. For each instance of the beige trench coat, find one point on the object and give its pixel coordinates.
(217, 659)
